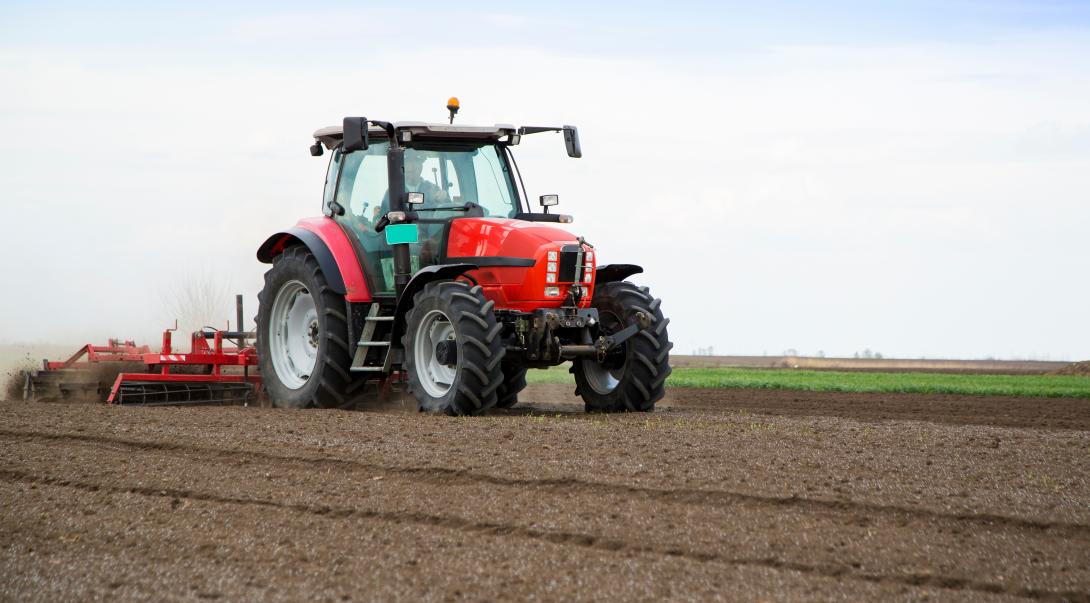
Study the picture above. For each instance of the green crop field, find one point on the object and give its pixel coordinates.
(1044, 386)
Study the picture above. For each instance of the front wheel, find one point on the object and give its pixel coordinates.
(453, 349)
(633, 376)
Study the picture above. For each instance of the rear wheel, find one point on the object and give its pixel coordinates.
(633, 376)
(301, 336)
(514, 381)
(453, 349)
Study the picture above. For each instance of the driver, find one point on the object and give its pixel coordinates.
(416, 183)
(434, 196)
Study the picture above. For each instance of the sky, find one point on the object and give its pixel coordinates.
(908, 178)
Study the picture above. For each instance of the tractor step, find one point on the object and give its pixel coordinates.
(368, 341)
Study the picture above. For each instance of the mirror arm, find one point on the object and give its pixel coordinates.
(571, 137)
(538, 129)
(389, 127)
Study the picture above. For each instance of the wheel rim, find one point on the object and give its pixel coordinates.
(601, 379)
(604, 378)
(434, 377)
(294, 334)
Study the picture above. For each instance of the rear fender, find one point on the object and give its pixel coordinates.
(427, 274)
(331, 247)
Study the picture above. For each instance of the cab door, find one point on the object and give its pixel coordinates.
(362, 185)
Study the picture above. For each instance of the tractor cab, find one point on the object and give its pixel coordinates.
(440, 173)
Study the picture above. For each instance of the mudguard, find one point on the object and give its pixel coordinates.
(615, 272)
(427, 274)
(331, 247)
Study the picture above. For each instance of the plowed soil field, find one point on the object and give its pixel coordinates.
(719, 495)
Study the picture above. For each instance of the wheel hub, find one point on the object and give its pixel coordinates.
(446, 352)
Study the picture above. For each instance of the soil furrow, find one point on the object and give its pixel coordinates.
(568, 485)
(561, 537)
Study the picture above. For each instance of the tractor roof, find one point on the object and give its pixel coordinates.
(331, 136)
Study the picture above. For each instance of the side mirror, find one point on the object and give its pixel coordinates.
(571, 142)
(549, 200)
(415, 198)
(316, 149)
(355, 134)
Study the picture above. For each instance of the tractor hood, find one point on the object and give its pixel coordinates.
(502, 241)
(522, 265)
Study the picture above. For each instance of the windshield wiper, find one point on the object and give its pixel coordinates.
(465, 207)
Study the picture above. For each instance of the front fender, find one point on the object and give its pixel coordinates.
(427, 274)
(615, 272)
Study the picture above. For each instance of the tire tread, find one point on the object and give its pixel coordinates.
(480, 351)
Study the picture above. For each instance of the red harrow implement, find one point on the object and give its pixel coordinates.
(171, 376)
(210, 373)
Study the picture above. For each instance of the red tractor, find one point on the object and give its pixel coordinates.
(430, 263)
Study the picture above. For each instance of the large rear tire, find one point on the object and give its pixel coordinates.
(633, 377)
(514, 381)
(453, 349)
(302, 335)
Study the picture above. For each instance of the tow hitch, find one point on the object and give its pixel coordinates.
(606, 343)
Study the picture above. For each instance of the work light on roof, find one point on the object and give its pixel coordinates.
(453, 105)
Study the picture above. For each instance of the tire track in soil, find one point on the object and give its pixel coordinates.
(562, 538)
(689, 496)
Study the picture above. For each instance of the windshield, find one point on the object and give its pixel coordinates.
(449, 175)
(453, 177)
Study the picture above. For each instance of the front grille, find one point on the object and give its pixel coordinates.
(571, 261)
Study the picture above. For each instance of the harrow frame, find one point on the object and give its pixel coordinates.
(114, 351)
(162, 386)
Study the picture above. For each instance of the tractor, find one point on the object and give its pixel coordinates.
(428, 263)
